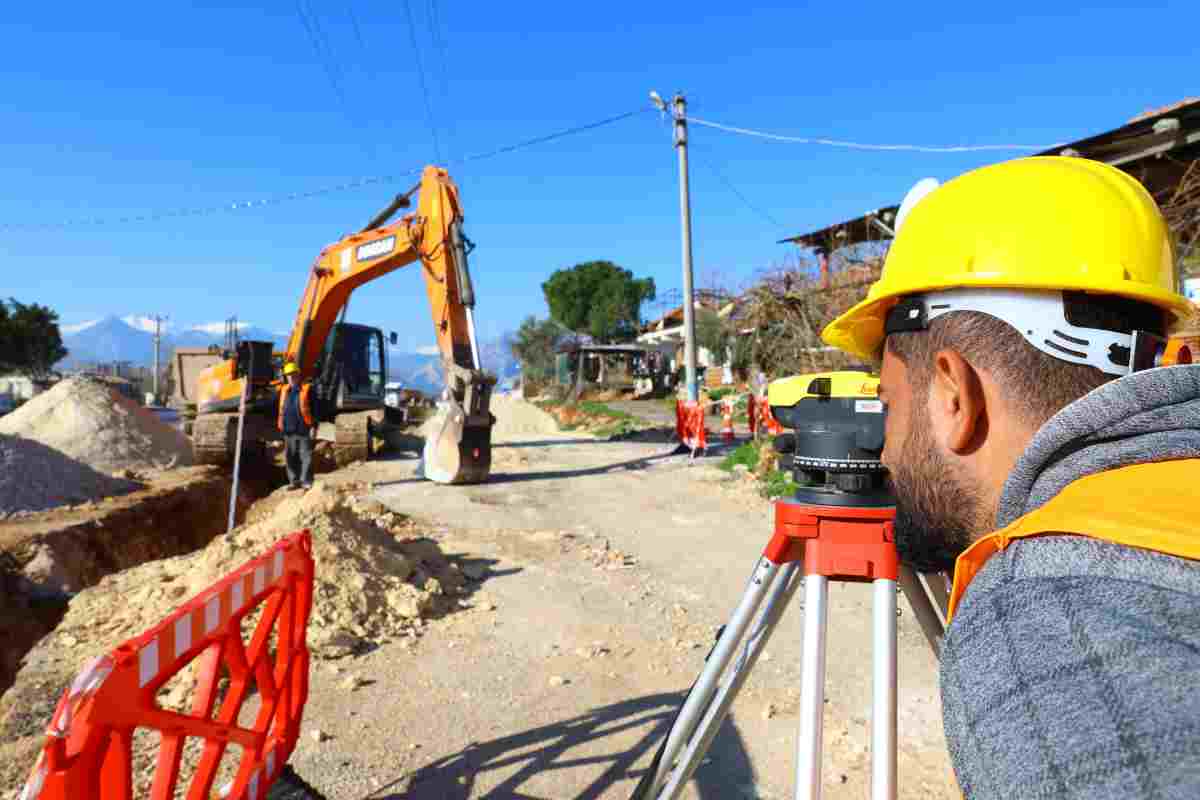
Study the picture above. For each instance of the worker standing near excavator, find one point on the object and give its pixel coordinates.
(298, 424)
(1042, 449)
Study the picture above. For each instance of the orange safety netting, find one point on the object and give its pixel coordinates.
(88, 753)
(689, 425)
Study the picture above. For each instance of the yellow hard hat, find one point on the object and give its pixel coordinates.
(290, 367)
(1040, 223)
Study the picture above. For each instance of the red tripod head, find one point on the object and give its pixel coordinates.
(840, 542)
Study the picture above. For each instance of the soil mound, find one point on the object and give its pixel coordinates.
(374, 580)
(96, 426)
(34, 477)
(517, 417)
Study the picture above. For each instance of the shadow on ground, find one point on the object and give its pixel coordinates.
(726, 772)
(715, 451)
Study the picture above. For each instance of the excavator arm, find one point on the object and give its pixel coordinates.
(458, 450)
(432, 236)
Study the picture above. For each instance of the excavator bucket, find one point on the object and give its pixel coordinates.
(459, 445)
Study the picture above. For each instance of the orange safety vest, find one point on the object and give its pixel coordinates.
(1149, 506)
(305, 404)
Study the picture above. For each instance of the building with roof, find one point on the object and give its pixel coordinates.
(1159, 147)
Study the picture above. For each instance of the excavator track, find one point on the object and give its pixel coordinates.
(214, 437)
(353, 434)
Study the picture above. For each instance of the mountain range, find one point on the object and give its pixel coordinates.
(131, 339)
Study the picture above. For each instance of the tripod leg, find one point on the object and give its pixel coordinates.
(784, 586)
(701, 693)
(812, 688)
(883, 693)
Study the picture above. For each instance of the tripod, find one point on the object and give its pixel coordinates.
(824, 542)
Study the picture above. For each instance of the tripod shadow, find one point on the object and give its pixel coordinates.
(519, 757)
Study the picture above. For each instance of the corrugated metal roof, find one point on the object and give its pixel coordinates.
(1155, 147)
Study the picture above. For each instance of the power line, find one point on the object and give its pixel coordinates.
(412, 34)
(328, 59)
(311, 26)
(439, 48)
(374, 180)
(552, 136)
(861, 146)
(362, 45)
(729, 185)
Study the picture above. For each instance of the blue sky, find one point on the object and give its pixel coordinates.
(128, 108)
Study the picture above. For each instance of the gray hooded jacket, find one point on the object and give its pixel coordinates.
(1072, 666)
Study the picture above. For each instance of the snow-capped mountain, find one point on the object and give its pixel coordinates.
(131, 339)
(423, 369)
(143, 323)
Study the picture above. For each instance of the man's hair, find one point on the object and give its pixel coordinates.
(1036, 385)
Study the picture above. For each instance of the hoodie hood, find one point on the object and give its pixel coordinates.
(1153, 415)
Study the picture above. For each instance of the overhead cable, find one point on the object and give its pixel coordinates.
(862, 146)
(242, 205)
(412, 34)
(439, 48)
(711, 167)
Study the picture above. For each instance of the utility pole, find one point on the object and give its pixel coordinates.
(679, 113)
(158, 321)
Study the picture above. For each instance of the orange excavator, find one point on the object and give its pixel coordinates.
(347, 363)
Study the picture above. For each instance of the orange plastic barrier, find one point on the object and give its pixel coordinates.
(769, 423)
(689, 425)
(727, 419)
(88, 750)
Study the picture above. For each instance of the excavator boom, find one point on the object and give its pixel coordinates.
(459, 449)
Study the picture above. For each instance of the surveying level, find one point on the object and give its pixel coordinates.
(837, 526)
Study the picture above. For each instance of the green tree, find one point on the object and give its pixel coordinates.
(713, 334)
(534, 345)
(30, 342)
(598, 298)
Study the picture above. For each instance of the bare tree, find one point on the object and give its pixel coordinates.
(788, 307)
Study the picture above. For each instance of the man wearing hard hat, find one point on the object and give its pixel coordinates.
(298, 425)
(1041, 451)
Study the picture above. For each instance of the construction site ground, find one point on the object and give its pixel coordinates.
(606, 569)
(597, 574)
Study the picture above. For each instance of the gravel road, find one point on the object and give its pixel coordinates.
(600, 572)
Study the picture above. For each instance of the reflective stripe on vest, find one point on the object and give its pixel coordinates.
(1149, 506)
(305, 405)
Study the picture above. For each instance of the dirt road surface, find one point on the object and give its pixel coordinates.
(600, 573)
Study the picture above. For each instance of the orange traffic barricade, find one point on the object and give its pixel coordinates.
(88, 752)
(769, 423)
(689, 425)
(727, 419)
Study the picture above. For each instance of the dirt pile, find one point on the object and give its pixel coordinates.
(34, 477)
(516, 417)
(374, 580)
(87, 421)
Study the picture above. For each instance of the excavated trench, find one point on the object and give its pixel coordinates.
(45, 558)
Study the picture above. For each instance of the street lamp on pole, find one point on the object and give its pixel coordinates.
(678, 110)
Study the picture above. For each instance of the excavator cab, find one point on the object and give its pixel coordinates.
(352, 370)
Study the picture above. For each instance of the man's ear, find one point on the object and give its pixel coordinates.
(957, 401)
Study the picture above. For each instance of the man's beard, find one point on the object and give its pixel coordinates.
(936, 514)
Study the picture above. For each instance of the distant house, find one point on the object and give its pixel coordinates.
(19, 387)
(666, 334)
